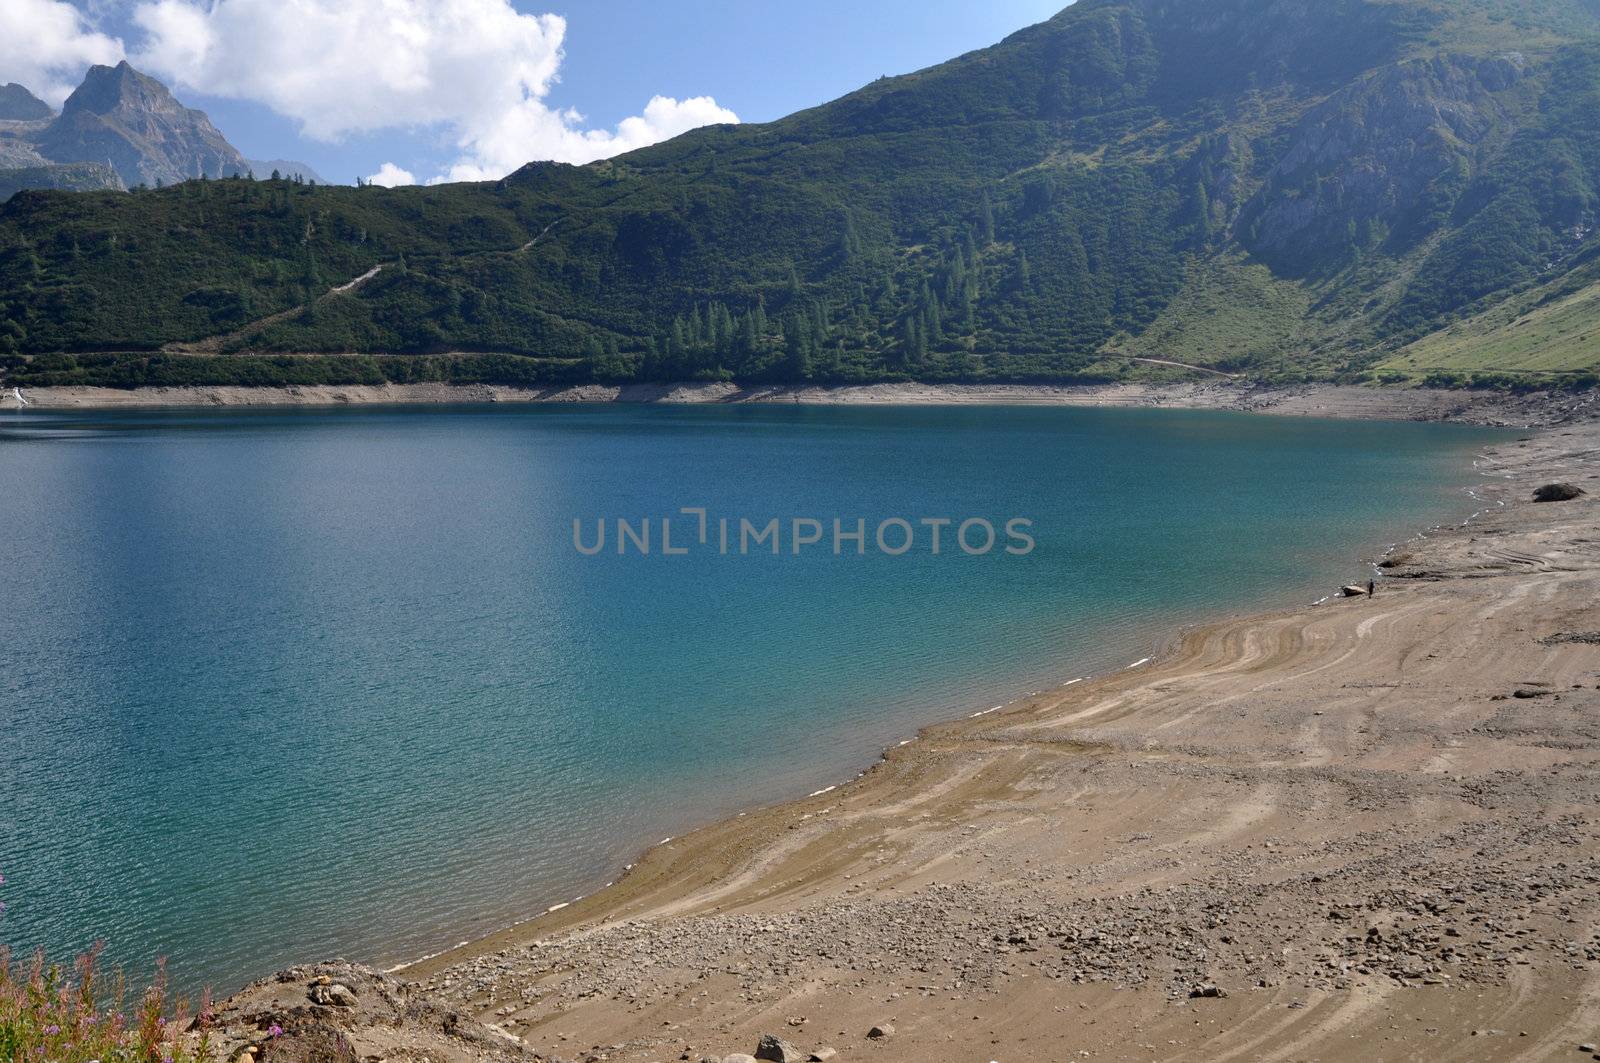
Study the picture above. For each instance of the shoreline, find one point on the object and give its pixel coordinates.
(1309, 400)
(1160, 647)
(924, 891)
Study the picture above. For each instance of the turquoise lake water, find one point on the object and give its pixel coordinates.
(279, 686)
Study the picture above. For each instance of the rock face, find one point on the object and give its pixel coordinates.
(17, 104)
(131, 123)
(71, 177)
(1558, 493)
(1393, 150)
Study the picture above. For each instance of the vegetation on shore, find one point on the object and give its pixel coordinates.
(1281, 191)
(51, 1014)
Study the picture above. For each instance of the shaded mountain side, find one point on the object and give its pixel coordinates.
(17, 104)
(71, 177)
(286, 168)
(1280, 187)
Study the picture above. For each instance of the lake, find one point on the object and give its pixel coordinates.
(284, 685)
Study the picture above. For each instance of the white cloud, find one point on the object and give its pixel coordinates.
(501, 145)
(391, 176)
(477, 69)
(46, 44)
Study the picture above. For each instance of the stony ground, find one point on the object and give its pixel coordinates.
(1364, 830)
(1311, 400)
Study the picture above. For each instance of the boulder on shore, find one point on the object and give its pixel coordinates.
(1558, 493)
(777, 1050)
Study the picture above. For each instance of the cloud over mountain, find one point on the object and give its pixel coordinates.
(47, 44)
(478, 70)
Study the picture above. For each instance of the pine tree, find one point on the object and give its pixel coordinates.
(913, 344)
(749, 339)
(985, 221)
(955, 278)
(677, 344)
(821, 328)
(933, 321)
(797, 348)
(696, 329)
(849, 239)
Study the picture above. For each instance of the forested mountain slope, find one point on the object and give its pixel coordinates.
(1275, 187)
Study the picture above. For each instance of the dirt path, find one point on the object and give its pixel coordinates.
(215, 344)
(1201, 369)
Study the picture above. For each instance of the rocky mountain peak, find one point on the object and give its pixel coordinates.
(133, 123)
(17, 104)
(106, 89)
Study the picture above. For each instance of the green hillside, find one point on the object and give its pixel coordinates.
(1273, 188)
(1550, 330)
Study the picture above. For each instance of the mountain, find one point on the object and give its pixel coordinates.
(17, 104)
(133, 123)
(120, 129)
(1276, 188)
(286, 168)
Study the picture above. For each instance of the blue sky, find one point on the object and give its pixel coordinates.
(255, 67)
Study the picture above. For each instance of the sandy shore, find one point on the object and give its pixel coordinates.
(1368, 829)
(1319, 400)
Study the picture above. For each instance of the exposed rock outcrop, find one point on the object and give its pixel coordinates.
(340, 1012)
(1388, 154)
(71, 177)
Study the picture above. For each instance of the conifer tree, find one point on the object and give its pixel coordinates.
(849, 239)
(797, 348)
(985, 221)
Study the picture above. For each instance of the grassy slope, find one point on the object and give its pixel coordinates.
(1554, 328)
(1231, 314)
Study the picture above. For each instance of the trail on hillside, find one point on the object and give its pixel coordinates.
(1178, 365)
(216, 344)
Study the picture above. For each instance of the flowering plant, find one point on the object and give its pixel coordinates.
(53, 1015)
